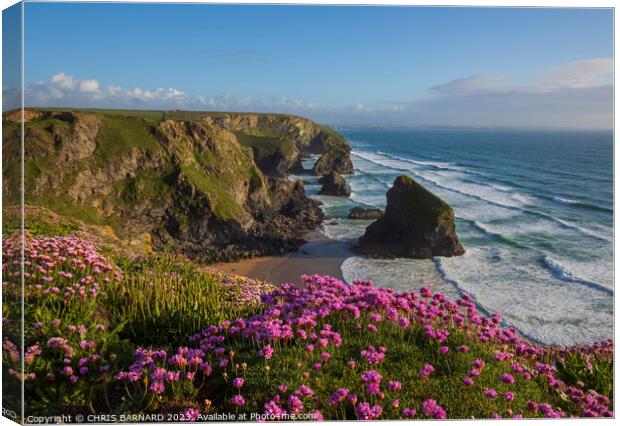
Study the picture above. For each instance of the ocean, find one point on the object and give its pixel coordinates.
(534, 212)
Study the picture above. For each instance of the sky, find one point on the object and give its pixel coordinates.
(520, 67)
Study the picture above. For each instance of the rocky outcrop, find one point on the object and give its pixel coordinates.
(279, 141)
(273, 156)
(188, 185)
(335, 159)
(334, 184)
(361, 213)
(416, 224)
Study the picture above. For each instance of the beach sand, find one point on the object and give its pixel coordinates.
(320, 255)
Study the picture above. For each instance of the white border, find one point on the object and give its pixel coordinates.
(475, 3)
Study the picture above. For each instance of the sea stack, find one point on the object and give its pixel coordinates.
(334, 184)
(416, 224)
(335, 159)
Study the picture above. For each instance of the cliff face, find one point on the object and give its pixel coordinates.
(191, 183)
(278, 141)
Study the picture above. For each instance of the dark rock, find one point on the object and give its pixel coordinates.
(297, 168)
(416, 224)
(335, 159)
(364, 213)
(334, 184)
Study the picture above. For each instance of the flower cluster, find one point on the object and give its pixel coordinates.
(374, 356)
(56, 267)
(242, 290)
(306, 317)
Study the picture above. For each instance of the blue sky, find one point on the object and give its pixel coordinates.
(341, 65)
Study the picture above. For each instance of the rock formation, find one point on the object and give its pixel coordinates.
(416, 224)
(334, 184)
(335, 159)
(364, 213)
(206, 185)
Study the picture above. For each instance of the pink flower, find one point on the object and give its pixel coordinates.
(157, 386)
(426, 371)
(394, 386)
(430, 408)
(507, 378)
(490, 393)
(509, 396)
(468, 381)
(478, 363)
(338, 396)
(238, 382)
(408, 412)
(191, 414)
(295, 404)
(364, 411)
(266, 352)
(237, 400)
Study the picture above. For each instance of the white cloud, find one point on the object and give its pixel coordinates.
(586, 73)
(66, 90)
(89, 86)
(576, 94)
(577, 75)
(63, 81)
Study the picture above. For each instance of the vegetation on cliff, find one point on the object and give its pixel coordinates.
(206, 184)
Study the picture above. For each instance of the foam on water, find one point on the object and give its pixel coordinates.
(399, 274)
(564, 200)
(535, 257)
(541, 307)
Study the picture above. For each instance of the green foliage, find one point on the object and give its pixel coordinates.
(216, 190)
(38, 228)
(591, 372)
(146, 114)
(337, 139)
(119, 134)
(264, 144)
(164, 299)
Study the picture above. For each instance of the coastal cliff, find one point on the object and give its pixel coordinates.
(210, 186)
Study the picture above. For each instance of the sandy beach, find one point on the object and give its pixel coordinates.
(320, 255)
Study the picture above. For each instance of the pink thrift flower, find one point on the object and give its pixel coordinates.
(237, 400)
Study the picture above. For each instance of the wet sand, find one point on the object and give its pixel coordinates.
(320, 255)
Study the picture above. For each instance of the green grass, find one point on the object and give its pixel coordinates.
(263, 143)
(163, 299)
(146, 114)
(119, 134)
(37, 227)
(214, 187)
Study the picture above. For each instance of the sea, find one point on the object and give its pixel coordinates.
(534, 212)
